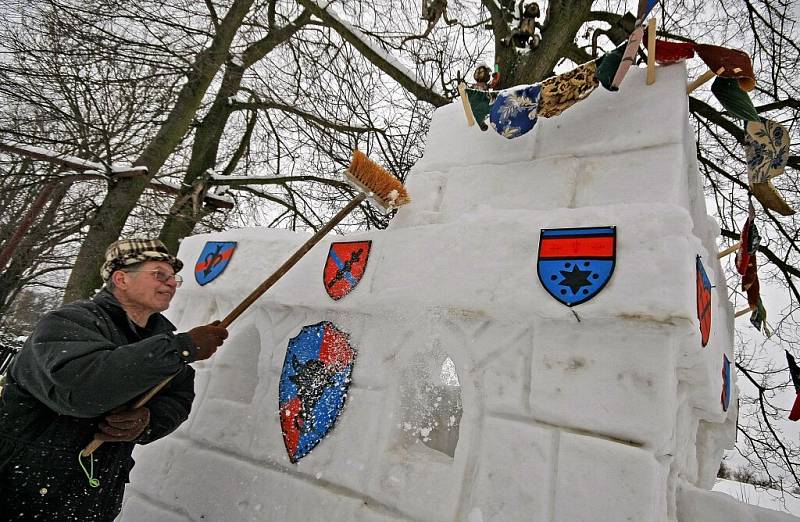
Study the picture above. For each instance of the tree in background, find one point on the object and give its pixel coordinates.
(276, 94)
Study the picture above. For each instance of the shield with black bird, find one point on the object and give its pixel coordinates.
(313, 386)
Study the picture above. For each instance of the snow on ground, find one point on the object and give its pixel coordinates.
(607, 411)
(770, 498)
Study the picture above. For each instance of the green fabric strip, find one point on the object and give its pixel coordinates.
(734, 99)
(607, 66)
(479, 103)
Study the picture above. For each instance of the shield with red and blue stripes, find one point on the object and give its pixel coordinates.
(313, 386)
(576, 263)
(213, 260)
(703, 301)
(344, 267)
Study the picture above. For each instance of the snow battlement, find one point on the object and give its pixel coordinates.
(476, 395)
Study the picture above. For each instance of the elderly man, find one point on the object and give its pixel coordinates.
(73, 378)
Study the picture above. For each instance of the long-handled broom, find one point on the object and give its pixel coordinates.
(373, 181)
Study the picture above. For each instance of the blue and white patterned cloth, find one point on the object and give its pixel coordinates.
(514, 112)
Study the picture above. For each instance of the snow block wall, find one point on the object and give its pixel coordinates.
(476, 395)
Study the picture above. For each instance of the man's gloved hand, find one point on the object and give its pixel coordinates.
(207, 339)
(123, 426)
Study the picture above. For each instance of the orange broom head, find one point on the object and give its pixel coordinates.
(370, 177)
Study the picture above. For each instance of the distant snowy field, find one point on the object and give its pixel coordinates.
(771, 498)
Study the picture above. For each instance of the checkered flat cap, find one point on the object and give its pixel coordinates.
(126, 252)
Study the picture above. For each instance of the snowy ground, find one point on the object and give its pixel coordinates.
(770, 498)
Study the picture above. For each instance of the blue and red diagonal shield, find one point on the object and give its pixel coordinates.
(345, 267)
(726, 383)
(313, 386)
(703, 302)
(576, 263)
(213, 260)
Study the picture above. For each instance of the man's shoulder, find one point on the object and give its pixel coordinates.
(84, 308)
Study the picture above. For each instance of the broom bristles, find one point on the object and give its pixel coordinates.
(371, 177)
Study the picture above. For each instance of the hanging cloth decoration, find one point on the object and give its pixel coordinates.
(729, 63)
(747, 267)
(723, 61)
(759, 319)
(668, 52)
(794, 373)
(749, 241)
(563, 91)
(632, 47)
(514, 112)
(766, 147)
(480, 102)
(607, 66)
(734, 99)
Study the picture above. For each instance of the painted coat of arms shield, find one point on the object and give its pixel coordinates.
(345, 267)
(725, 397)
(703, 302)
(213, 260)
(575, 264)
(313, 386)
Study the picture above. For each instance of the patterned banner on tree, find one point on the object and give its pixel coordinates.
(747, 266)
(766, 146)
(514, 111)
(723, 61)
(313, 386)
(703, 301)
(575, 264)
(345, 267)
(213, 260)
(749, 240)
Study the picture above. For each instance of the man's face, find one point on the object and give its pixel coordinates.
(141, 288)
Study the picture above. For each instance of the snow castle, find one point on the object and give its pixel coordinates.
(475, 395)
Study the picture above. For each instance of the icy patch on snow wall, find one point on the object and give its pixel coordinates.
(475, 395)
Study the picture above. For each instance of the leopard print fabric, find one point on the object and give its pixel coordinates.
(562, 91)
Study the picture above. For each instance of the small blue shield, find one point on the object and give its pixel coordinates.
(313, 386)
(576, 263)
(213, 260)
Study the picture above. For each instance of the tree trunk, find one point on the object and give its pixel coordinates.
(564, 19)
(183, 218)
(124, 193)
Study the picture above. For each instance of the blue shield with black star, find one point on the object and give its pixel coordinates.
(574, 264)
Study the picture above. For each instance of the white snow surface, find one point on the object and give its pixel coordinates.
(616, 417)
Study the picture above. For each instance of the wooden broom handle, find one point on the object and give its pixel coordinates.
(250, 299)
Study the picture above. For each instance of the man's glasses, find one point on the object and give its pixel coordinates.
(160, 276)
